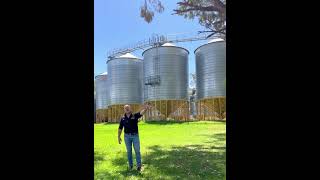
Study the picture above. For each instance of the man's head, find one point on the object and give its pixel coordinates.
(127, 109)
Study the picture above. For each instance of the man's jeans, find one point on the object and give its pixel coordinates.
(129, 140)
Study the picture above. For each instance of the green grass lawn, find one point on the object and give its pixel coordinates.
(189, 150)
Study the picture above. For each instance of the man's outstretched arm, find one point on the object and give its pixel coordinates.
(145, 108)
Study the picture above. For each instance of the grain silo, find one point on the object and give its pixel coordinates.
(125, 81)
(211, 80)
(165, 71)
(102, 92)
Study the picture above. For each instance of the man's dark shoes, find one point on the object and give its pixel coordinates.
(139, 168)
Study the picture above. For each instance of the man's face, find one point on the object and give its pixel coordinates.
(127, 109)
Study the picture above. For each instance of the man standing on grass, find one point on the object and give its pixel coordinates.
(130, 123)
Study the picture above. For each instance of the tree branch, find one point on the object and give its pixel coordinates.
(199, 32)
(209, 8)
(217, 6)
(221, 31)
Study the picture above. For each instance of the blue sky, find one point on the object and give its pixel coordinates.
(117, 23)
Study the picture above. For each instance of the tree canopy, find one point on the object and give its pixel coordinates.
(210, 13)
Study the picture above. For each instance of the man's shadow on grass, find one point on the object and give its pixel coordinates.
(191, 162)
(196, 161)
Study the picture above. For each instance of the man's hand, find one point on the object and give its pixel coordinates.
(147, 106)
(119, 140)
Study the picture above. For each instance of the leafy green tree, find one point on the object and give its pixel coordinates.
(210, 13)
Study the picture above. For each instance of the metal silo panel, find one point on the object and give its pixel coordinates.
(211, 70)
(125, 81)
(167, 67)
(102, 92)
